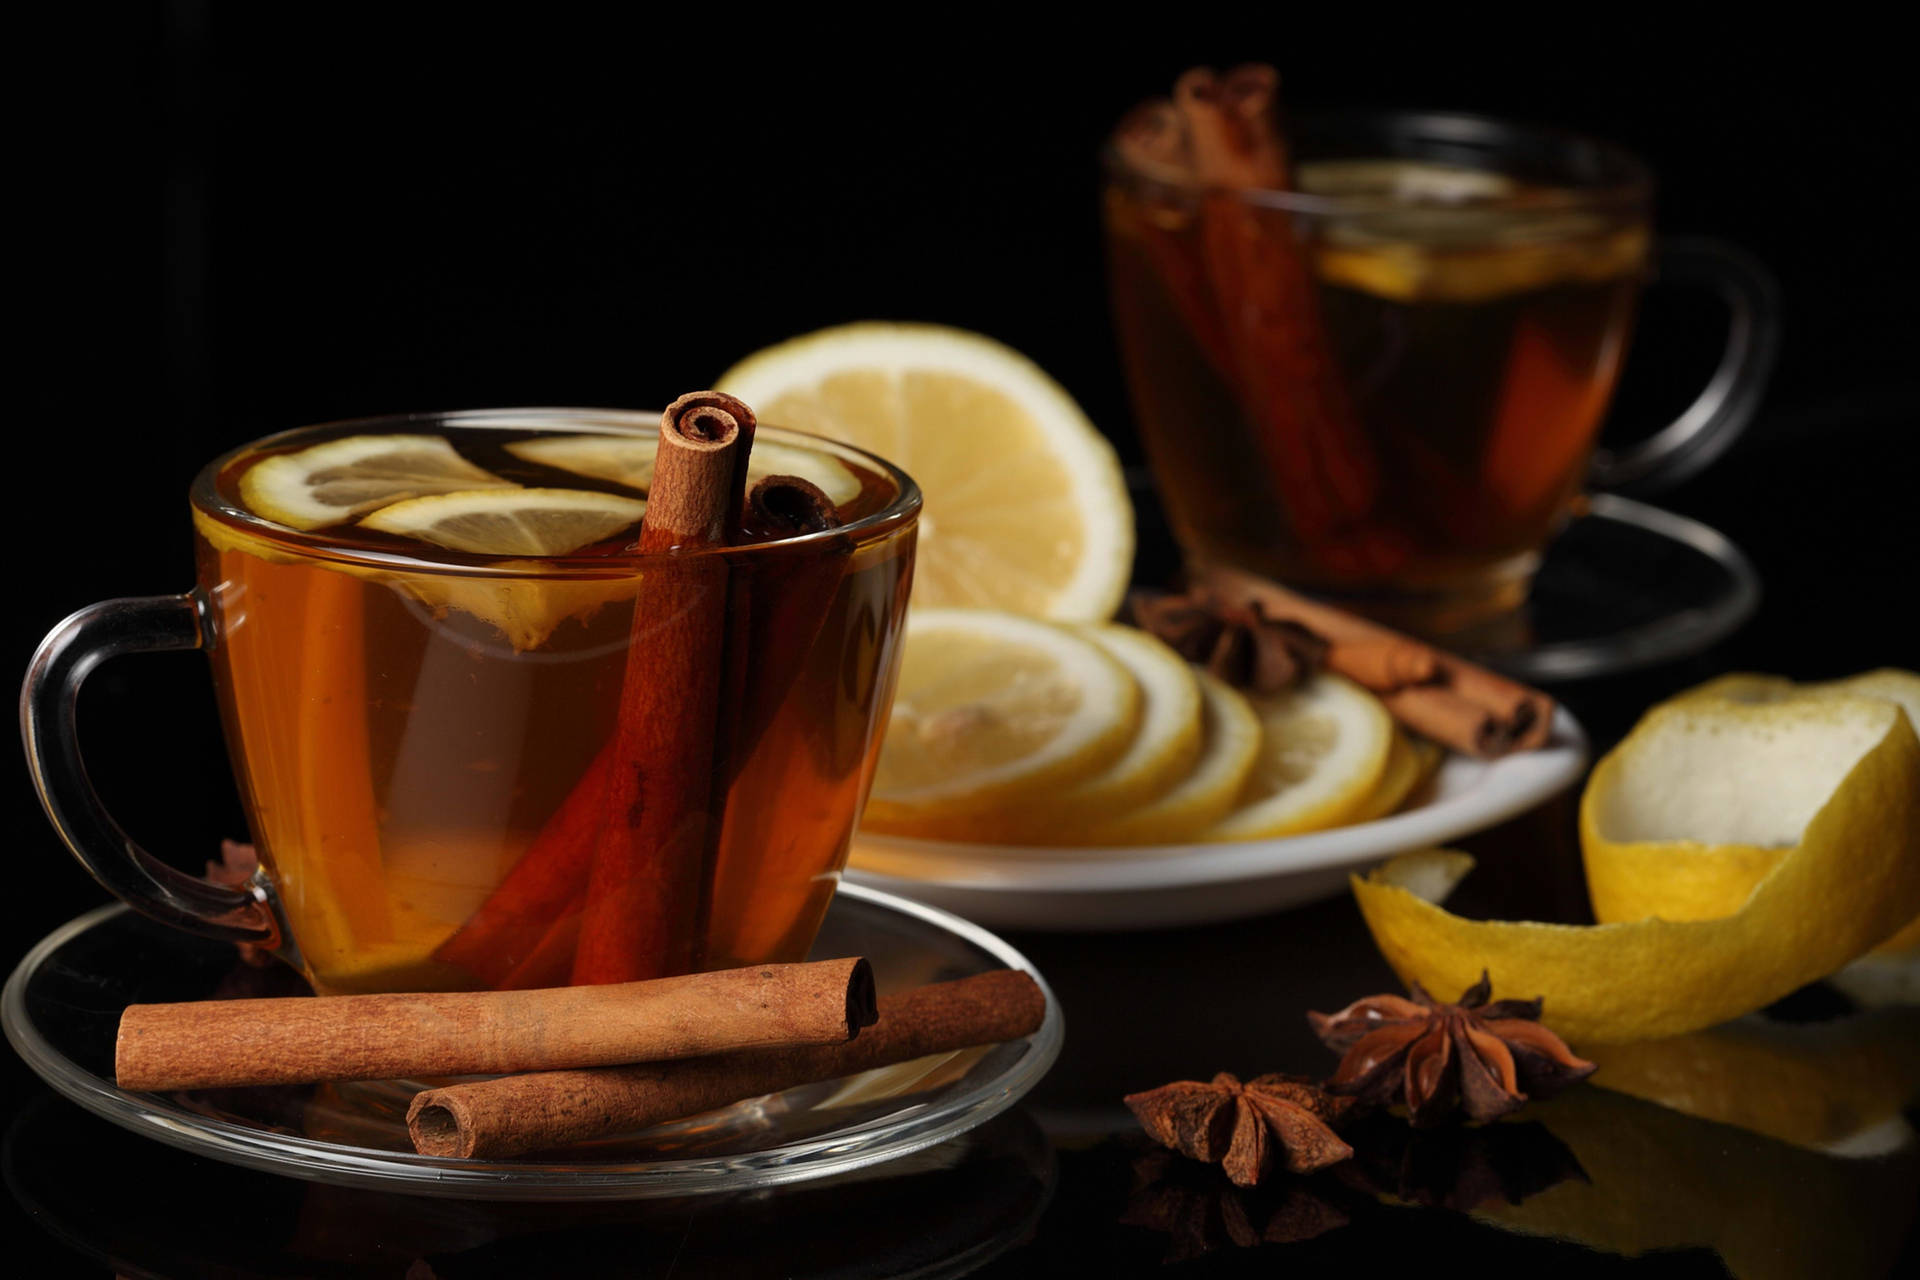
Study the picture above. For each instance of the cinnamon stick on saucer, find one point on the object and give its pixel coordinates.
(223, 1043)
(645, 906)
(493, 1119)
(1455, 702)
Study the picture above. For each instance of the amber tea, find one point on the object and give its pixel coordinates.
(420, 699)
(1386, 391)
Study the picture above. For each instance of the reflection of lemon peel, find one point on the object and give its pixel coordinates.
(1851, 880)
(1827, 1086)
(1658, 1179)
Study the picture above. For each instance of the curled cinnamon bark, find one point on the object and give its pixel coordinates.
(646, 895)
(788, 506)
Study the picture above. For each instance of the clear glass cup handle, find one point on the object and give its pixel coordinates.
(1724, 408)
(49, 699)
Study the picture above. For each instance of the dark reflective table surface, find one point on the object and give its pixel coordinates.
(1778, 1147)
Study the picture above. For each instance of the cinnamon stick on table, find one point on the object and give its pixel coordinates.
(515, 1114)
(645, 904)
(1457, 703)
(225, 1043)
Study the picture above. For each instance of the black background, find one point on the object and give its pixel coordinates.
(233, 219)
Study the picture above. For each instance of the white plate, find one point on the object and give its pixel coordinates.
(1157, 886)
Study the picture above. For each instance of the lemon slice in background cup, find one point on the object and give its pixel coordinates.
(1025, 508)
(334, 482)
(993, 709)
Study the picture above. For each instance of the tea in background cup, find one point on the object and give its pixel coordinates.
(420, 631)
(1371, 360)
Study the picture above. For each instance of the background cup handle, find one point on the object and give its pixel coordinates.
(1722, 411)
(48, 701)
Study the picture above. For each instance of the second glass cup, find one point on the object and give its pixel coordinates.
(1384, 385)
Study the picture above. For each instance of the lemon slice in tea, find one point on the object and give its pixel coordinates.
(511, 522)
(628, 460)
(524, 606)
(1025, 506)
(994, 709)
(333, 482)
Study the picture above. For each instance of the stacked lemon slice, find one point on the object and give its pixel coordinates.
(1017, 730)
(1022, 716)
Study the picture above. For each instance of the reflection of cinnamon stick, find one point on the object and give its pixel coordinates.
(645, 894)
(1453, 701)
(516, 1114)
(223, 1043)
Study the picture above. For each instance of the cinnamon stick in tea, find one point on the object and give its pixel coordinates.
(513, 1115)
(1293, 389)
(513, 925)
(224, 1043)
(526, 932)
(1457, 703)
(645, 894)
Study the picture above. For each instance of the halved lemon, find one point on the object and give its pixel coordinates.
(1323, 750)
(1834, 781)
(1163, 750)
(333, 482)
(1229, 741)
(993, 709)
(511, 522)
(1025, 506)
(628, 460)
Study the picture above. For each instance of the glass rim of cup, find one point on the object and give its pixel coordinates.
(1626, 180)
(207, 500)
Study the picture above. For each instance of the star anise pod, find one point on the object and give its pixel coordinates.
(1271, 1121)
(1238, 643)
(1480, 1058)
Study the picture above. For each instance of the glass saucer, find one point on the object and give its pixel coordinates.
(61, 1010)
(1624, 586)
